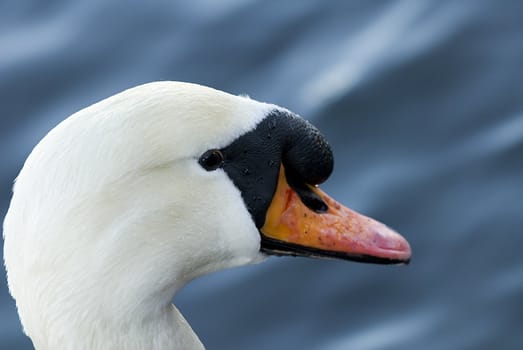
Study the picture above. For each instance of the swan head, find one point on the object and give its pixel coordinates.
(127, 200)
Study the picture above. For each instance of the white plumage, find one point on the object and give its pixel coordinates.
(111, 215)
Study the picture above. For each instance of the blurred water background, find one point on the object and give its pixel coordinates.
(422, 101)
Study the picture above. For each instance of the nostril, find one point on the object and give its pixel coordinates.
(314, 202)
(308, 197)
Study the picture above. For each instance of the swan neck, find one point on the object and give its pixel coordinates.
(165, 329)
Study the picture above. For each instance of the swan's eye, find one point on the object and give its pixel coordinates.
(211, 160)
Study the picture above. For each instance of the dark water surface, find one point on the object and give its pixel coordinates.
(422, 102)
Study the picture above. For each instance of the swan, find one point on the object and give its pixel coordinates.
(129, 199)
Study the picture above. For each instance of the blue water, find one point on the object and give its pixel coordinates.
(422, 101)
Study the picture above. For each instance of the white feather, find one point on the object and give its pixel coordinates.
(111, 215)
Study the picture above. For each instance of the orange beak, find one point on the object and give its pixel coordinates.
(291, 228)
